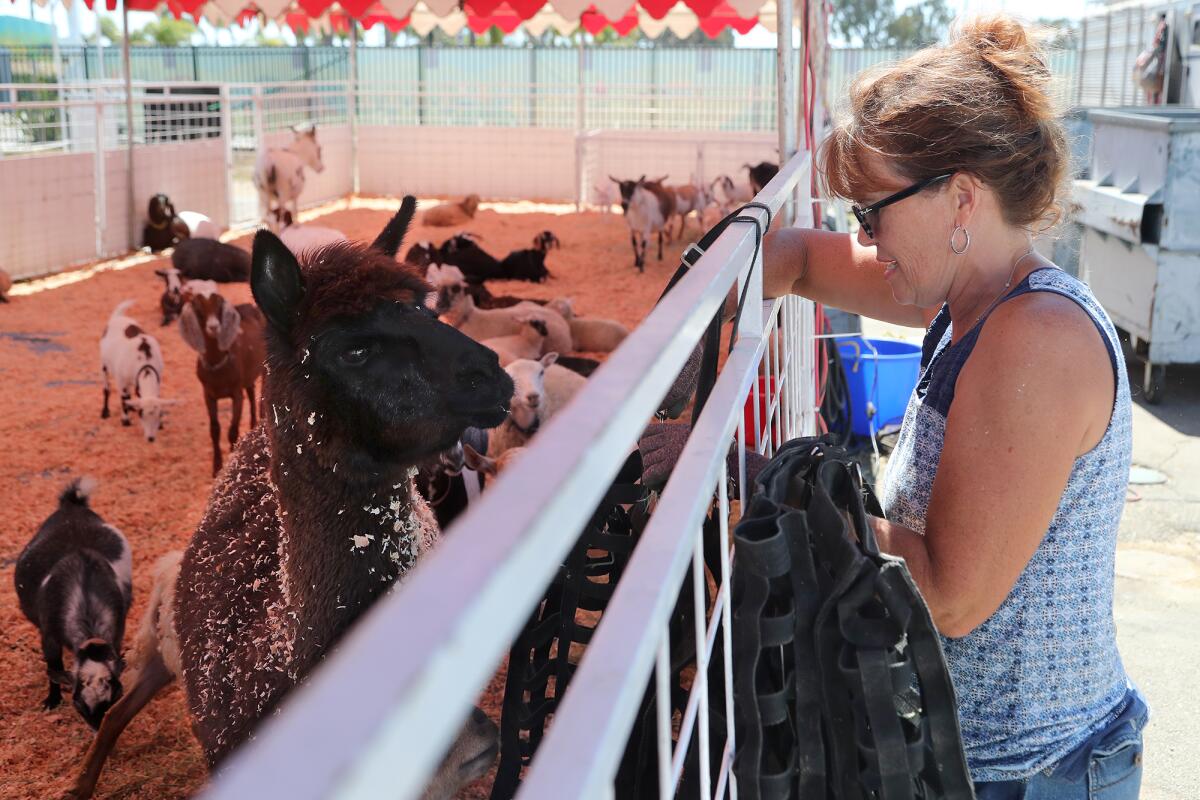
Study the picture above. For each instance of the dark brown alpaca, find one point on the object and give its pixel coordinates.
(230, 342)
(317, 514)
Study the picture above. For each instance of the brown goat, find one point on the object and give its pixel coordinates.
(317, 514)
(230, 342)
(448, 215)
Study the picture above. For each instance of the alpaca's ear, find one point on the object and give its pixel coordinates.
(389, 240)
(275, 281)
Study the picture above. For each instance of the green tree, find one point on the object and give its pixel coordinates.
(112, 34)
(166, 31)
(920, 25)
(864, 22)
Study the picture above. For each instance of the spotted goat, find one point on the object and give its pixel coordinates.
(131, 362)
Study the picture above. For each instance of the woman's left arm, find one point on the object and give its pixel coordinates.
(1036, 393)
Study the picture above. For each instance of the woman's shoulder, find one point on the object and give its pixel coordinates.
(1045, 352)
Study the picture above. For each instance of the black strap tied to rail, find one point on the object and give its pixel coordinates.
(870, 712)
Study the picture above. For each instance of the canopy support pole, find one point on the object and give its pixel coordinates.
(352, 104)
(129, 127)
(785, 88)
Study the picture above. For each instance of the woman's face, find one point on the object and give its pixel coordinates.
(912, 238)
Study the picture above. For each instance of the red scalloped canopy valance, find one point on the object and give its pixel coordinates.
(714, 16)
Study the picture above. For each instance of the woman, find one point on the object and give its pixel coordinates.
(1005, 490)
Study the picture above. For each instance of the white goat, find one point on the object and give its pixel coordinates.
(279, 174)
(588, 334)
(131, 359)
(540, 389)
(529, 343)
(729, 194)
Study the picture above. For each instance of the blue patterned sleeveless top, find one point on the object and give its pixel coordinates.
(1042, 674)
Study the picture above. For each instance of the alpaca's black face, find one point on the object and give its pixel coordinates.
(402, 385)
(390, 384)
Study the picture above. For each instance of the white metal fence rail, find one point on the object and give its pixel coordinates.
(438, 641)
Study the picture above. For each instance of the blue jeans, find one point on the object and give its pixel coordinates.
(1113, 767)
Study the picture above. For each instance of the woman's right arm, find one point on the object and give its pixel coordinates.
(833, 269)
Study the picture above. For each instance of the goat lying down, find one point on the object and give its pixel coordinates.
(446, 215)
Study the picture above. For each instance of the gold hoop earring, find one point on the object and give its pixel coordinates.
(966, 243)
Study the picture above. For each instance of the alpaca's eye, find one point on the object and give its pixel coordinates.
(354, 356)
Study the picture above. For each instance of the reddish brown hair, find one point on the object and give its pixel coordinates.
(977, 105)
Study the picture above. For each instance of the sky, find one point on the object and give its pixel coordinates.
(759, 37)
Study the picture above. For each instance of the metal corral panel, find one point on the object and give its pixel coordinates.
(1155, 154)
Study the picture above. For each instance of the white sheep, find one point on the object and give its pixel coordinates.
(458, 308)
(529, 343)
(590, 334)
(131, 359)
(540, 389)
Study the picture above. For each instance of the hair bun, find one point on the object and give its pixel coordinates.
(996, 32)
(1012, 52)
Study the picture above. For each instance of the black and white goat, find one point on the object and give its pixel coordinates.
(131, 360)
(74, 582)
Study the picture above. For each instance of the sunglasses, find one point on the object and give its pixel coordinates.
(868, 217)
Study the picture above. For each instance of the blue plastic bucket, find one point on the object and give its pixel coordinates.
(882, 372)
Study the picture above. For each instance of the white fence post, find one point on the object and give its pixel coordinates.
(227, 140)
(100, 181)
(259, 141)
(352, 105)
